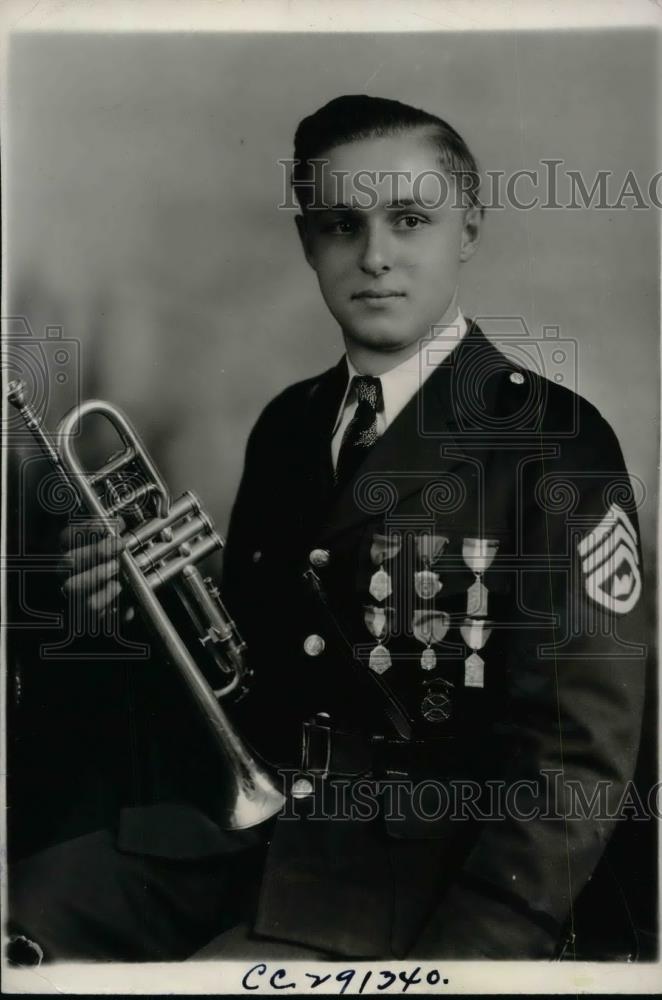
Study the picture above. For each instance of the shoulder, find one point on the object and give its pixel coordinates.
(531, 399)
(294, 396)
(287, 410)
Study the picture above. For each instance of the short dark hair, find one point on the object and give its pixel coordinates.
(356, 116)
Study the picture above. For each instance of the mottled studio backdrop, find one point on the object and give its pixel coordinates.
(142, 184)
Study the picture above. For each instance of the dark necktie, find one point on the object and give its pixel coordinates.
(361, 432)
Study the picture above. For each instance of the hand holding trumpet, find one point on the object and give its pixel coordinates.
(90, 567)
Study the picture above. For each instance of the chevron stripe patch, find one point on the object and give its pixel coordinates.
(610, 562)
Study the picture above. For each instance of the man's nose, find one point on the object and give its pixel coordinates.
(376, 252)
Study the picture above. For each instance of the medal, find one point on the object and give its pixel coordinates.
(428, 659)
(477, 599)
(427, 584)
(429, 548)
(380, 585)
(429, 626)
(376, 621)
(380, 659)
(384, 547)
(478, 554)
(474, 671)
(475, 634)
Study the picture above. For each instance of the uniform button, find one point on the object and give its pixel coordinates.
(301, 788)
(517, 378)
(319, 558)
(313, 645)
(257, 555)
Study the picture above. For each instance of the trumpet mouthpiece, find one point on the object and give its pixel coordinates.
(16, 392)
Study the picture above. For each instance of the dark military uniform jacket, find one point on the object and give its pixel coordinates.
(460, 623)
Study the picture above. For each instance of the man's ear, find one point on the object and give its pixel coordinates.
(471, 229)
(304, 236)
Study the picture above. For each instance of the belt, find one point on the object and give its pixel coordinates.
(327, 751)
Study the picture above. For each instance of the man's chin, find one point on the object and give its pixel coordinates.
(386, 341)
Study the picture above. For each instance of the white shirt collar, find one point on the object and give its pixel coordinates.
(402, 382)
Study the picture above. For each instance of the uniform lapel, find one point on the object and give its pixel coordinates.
(320, 417)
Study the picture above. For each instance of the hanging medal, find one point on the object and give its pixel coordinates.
(430, 547)
(380, 585)
(475, 633)
(430, 627)
(380, 659)
(426, 582)
(383, 548)
(478, 554)
(376, 621)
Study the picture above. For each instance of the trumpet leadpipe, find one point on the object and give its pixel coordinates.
(16, 396)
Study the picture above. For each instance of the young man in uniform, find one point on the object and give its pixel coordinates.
(433, 557)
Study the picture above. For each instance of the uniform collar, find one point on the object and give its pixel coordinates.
(401, 383)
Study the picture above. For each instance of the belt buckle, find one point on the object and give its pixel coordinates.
(316, 748)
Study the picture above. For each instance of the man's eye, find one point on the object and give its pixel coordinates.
(410, 222)
(340, 226)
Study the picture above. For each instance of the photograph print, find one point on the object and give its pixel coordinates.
(331, 379)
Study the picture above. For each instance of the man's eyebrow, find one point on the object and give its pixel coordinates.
(325, 209)
(391, 206)
(404, 203)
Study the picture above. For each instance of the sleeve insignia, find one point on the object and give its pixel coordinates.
(610, 562)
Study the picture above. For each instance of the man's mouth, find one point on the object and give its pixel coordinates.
(383, 293)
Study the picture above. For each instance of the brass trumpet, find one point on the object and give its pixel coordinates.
(162, 543)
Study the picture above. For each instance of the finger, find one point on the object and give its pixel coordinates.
(91, 580)
(102, 600)
(80, 534)
(87, 556)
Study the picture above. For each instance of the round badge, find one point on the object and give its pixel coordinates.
(313, 645)
(301, 788)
